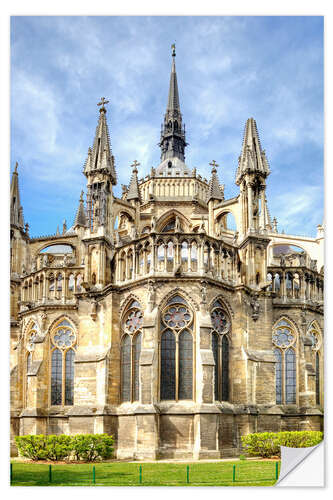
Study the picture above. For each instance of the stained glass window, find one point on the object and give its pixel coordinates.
(284, 340)
(215, 348)
(168, 365)
(290, 376)
(63, 340)
(130, 352)
(69, 378)
(220, 330)
(136, 366)
(278, 375)
(126, 368)
(185, 389)
(176, 322)
(56, 378)
(317, 379)
(225, 368)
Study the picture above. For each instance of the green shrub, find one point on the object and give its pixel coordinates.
(267, 444)
(33, 447)
(90, 447)
(87, 447)
(58, 447)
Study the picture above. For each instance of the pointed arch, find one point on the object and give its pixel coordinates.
(285, 338)
(176, 348)
(179, 291)
(172, 214)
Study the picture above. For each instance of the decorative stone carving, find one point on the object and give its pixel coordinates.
(153, 223)
(134, 233)
(68, 261)
(151, 295)
(254, 303)
(203, 292)
(177, 225)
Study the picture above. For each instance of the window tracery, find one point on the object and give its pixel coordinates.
(63, 343)
(130, 352)
(176, 327)
(220, 346)
(284, 340)
(316, 339)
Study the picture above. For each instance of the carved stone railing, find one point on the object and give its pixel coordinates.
(51, 285)
(176, 254)
(297, 284)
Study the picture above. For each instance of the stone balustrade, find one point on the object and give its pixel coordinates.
(51, 285)
(174, 255)
(296, 283)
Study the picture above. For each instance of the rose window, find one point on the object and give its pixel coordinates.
(64, 337)
(283, 337)
(177, 316)
(219, 321)
(134, 321)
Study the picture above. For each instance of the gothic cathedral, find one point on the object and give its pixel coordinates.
(153, 320)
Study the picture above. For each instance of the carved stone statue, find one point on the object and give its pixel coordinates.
(117, 238)
(24, 271)
(203, 292)
(45, 260)
(134, 233)
(202, 228)
(151, 295)
(235, 238)
(255, 307)
(177, 225)
(153, 223)
(34, 266)
(282, 261)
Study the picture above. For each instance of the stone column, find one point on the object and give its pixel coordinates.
(250, 206)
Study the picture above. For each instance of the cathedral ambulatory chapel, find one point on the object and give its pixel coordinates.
(153, 320)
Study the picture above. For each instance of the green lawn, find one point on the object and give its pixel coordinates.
(248, 473)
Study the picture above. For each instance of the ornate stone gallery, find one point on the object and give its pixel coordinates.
(154, 319)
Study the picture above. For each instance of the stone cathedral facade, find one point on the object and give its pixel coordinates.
(151, 320)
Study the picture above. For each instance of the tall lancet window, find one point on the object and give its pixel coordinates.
(220, 337)
(130, 352)
(176, 350)
(31, 337)
(316, 339)
(63, 345)
(284, 342)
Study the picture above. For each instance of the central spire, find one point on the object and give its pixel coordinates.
(173, 141)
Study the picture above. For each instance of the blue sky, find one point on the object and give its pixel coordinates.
(228, 68)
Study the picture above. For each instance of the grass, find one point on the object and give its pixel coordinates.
(248, 473)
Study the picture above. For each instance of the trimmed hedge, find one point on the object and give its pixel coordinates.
(267, 444)
(87, 447)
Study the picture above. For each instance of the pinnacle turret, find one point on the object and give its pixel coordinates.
(80, 218)
(214, 191)
(252, 158)
(100, 158)
(133, 192)
(173, 141)
(16, 210)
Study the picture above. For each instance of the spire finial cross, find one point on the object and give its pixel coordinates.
(134, 165)
(102, 102)
(173, 48)
(16, 165)
(213, 164)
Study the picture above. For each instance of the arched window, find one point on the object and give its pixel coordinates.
(316, 339)
(63, 343)
(176, 379)
(220, 345)
(284, 341)
(130, 352)
(317, 379)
